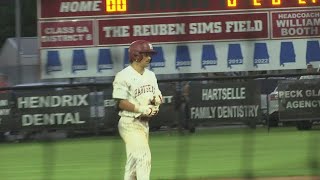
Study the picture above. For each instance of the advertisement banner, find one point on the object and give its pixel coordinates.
(66, 33)
(111, 112)
(209, 27)
(293, 24)
(299, 100)
(53, 109)
(6, 120)
(225, 102)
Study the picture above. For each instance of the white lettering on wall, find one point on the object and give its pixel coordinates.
(81, 6)
(52, 101)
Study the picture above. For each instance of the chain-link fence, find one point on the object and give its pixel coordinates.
(245, 110)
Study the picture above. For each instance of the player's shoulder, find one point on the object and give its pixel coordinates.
(124, 72)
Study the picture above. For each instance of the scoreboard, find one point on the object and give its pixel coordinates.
(89, 38)
(63, 8)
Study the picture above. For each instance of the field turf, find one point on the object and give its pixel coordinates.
(211, 153)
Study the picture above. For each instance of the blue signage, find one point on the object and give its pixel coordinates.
(208, 57)
(104, 60)
(234, 55)
(261, 55)
(313, 51)
(126, 57)
(53, 62)
(79, 61)
(287, 54)
(157, 59)
(182, 56)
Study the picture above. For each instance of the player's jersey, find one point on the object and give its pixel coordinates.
(136, 88)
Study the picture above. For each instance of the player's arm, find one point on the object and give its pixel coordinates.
(121, 94)
(157, 99)
(124, 104)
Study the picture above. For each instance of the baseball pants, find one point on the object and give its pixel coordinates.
(135, 134)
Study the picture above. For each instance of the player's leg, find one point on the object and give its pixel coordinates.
(135, 135)
(139, 156)
(143, 165)
(130, 168)
(124, 127)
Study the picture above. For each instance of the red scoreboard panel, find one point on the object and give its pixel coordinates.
(93, 23)
(248, 35)
(71, 8)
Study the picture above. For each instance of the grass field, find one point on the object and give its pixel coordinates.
(207, 153)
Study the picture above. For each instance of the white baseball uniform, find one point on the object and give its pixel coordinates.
(139, 90)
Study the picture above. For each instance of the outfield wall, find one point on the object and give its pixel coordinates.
(90, 107)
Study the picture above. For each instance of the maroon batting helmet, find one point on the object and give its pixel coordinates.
(138, 47)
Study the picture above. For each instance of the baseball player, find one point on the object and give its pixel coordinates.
(138, 98)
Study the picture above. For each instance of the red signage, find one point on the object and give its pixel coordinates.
(66, 33)
(107, 8)
(184, 28)
(295, 24)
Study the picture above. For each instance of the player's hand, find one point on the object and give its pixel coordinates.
(148, 110)
(157, 100)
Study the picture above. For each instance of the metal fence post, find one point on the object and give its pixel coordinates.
(18, 38)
